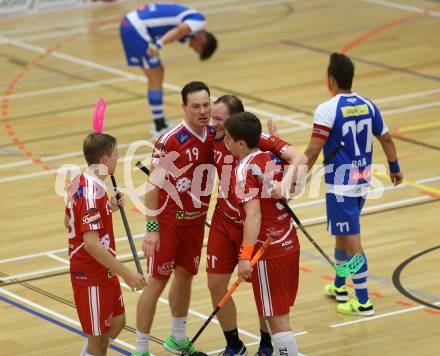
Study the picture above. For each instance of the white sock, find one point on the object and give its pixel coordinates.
(142, 342)
(284, 344)
(84, 348)
(178, 328)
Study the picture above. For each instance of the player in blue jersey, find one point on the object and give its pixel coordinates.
(353, 120)
(145, 31)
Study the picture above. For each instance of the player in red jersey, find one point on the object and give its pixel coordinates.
(226, 232)
(275, 277)
(181, 182)
(93, 265)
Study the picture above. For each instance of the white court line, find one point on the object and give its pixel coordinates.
(399, 6)
(385, 189)
(375, 208)
(411, 108)
(416, 94)
(301, 333)
(56, 25)
(55, 314)
(60, 250)
(52, 158)
(54, 171)
(380, 316)
(66, 88)
(219, 10)
(294, 206)
(165, 301)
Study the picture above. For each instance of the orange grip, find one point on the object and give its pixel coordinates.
(238, 281)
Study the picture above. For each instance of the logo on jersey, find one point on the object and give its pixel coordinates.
(183, 136)
(166, 268)
(183, 184)
(79, 275)
(349, 111)
(158, 151)
(180, 214)
(92, 216)
(110, 274)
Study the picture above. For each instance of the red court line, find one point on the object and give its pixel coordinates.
(15, 82)
(384, 27)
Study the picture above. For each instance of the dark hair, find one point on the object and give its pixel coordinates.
(342, 69)
(193, 87)
(244, 126)
(210, 45)
(97, 145)
(233, 103)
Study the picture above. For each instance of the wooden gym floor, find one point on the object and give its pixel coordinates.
(272, 54)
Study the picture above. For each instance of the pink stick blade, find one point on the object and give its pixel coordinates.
(98, 116)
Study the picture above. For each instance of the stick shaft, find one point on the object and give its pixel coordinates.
(235, 285)
(128, 231)
(310, 238)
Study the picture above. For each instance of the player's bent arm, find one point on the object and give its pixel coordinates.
(313, 150)
(252, 222)
(388, 146)
(297, 167)
(251, 231)
(176, 33)
(66, 221)
(96, 249)
(151, 241)
(390, 151)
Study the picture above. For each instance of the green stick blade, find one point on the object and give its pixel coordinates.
(350, 267)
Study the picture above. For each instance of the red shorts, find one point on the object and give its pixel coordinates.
(97, 305)
(179, 246)
(275, 284)
(225, 238)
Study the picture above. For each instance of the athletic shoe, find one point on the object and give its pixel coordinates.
(157, 134)
(265, 351)
(353, 307)
(140, 354)
(341, 293)
(176, 347)
(229, 351)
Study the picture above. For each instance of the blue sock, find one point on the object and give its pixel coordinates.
(340, 257)
(155, 99)
(360, 282)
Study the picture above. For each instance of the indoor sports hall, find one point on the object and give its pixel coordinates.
(57, 59)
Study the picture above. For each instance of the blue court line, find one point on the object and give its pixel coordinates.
(56, 322)
(11, 153)
(376, 278)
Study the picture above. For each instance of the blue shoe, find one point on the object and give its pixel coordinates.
(228, 351)
(266, 351)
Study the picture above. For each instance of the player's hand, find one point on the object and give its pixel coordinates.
(396, 178)
(117, 201)
(153, 51)
(244, 269)
(271, 127)
(151, 244)
(135, 280)
(276, 192)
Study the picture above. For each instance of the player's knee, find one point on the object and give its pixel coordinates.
(216, 286)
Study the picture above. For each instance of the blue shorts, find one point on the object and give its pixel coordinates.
(343, 216)
(135, 47)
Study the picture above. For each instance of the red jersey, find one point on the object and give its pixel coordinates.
(226, 164)
(253, 176)
(187, 158)
(89, 210)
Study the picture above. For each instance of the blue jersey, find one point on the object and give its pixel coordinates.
(154, 20)
(353, 120)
